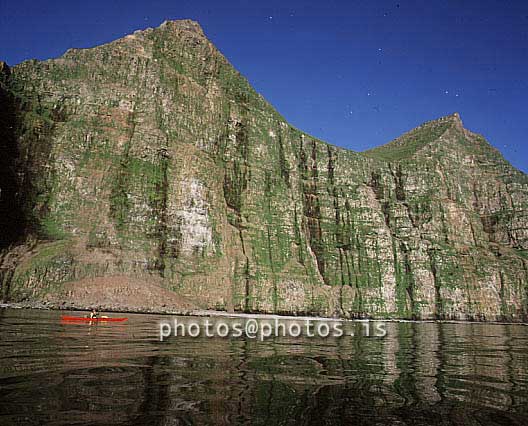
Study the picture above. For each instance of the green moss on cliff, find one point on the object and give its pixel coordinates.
(155, 156)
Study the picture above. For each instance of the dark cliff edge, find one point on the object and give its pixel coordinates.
(12, 219)
(146, 174)
(12, 224)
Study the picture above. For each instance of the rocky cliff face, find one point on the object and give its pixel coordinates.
(151, 160)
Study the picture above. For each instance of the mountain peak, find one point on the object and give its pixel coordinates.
(453, 118)
(411, 142)
(183, 24)
(458, 121)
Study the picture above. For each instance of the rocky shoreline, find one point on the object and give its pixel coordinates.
(65, 306)
(38, 305)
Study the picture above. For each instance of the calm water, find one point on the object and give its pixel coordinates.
(420, 374)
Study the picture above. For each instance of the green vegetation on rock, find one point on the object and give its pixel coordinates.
(151, 157)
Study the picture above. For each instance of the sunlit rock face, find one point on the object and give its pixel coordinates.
(152, 158)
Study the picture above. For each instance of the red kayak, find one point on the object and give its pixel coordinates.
(83, 319)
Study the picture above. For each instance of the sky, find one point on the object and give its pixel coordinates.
(356, 74)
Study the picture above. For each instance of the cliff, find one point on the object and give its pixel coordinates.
(148, 173)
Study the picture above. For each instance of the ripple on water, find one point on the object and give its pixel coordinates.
(421, 373)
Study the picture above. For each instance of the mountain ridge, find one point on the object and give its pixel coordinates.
(194, 27)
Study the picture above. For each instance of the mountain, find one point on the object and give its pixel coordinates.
(147, 174)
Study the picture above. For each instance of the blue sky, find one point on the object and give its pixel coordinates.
(353, 73)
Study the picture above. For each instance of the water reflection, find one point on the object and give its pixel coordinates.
(421, 373)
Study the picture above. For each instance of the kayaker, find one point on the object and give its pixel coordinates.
(94, 314)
